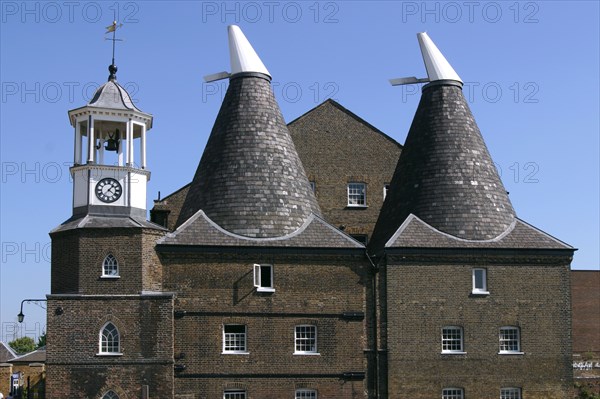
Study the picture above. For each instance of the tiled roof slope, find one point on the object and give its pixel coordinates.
(199, 230)
(112, 95)
(445, 174)
(6, 352)
(250, 180)
(103, 222)
(414, 233)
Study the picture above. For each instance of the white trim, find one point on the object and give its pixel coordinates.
(100, 335)
(235, 352)
(316, 342)
(518, 340)
(460, 351)
(258, 278)
(475, 289)
(364, 194)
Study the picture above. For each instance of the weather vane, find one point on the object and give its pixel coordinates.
(113, 28)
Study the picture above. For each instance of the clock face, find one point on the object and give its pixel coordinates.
(108, 190)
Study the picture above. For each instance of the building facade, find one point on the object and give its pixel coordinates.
(319, 259)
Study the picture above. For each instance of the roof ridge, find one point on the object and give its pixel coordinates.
(349, 113)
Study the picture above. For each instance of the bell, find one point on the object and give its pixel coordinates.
(112, 144)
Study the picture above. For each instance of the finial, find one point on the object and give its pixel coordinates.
(112, 68)
(113, 72)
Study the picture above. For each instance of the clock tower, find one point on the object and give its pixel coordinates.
(109, 162)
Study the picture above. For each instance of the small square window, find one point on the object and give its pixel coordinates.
(263, 278)
(306, 394)
(510, 340)
(357, 194)
(234, 394)
(234, 338)
(313, 186)
(480, 282)
(452, 339)
(305, 339)
(453, 393)
(510, 393)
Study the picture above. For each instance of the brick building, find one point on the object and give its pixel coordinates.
(280, 271)
(585, 298)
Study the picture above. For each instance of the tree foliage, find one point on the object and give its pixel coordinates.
(22, 345)
(41, 341)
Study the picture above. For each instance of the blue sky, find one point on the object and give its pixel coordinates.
(531, 72)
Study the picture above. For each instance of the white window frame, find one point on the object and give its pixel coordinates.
(510, 393)
(101, 341)
(298, 340)
(234, 394)
(226, 350)
(453, 393)
(451, 341)
(386, 188)
(258, 283)
(110, 395)
(479, 290)
(306, 393)
(351, 188)
(503, 340)
(110, 261)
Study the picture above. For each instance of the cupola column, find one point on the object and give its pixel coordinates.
(91, 141)
(78, 144)
(143, 146)
(129, 142)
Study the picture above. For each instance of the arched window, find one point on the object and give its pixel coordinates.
(109, 339)
(110, 395)
(110, 266)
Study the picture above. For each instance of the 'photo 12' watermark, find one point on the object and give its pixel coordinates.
(326, 12)
(453, 12)
(289, 92)
(53, 12)
(489, 92)
(54, 92)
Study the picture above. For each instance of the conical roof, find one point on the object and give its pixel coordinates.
(445, 175)
(250, 180)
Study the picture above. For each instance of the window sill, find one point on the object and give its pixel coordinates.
(111, 354)
(110, 277)
(511, 353)
(453, 353)
(356, 206)
(306, 354)
(480, 293)
(235, 353)
(265, 289)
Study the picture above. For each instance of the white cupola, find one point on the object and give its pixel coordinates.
(109, 163)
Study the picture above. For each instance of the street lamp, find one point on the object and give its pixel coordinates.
(21, 316)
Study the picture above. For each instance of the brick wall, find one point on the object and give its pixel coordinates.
(423, 298)
(145, 325)
(218, 289)
(77, 258)
(337, 147)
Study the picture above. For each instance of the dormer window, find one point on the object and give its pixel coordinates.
(110, 267)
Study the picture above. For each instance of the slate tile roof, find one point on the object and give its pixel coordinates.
(200, 230)
(92, 221)
(250, 180)
(415, 233)
(445, 174)
(112, 95)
